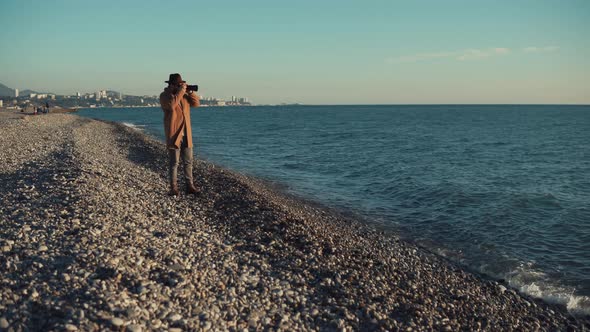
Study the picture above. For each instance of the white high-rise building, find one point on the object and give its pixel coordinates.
(1, 102)
(15, 93)
(78, 94)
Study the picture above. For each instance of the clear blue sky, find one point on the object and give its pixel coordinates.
(316, 52)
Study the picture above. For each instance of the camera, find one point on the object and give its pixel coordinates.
(192, 88)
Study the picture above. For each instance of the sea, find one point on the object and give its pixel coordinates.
(502, 190)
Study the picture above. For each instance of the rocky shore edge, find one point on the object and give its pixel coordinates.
(90, 241)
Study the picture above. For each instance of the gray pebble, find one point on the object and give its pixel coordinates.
(71, 327)
(117, 321)
(174, 317)
(4, 323)
(134, 328)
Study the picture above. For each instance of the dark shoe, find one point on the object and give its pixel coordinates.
(173, 190)
(191, 190)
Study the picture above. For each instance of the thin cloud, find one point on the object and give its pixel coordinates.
(473, 54)
(535, 49)
(467, 54)
(501, 50)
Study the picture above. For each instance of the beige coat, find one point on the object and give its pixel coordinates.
(177, 116)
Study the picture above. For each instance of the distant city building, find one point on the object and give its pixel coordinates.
(16, 93)
(78, 94)
(100, 94)
(1, 103)
(32, 95)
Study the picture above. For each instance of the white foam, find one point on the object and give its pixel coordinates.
(133, 126)
(538, 285)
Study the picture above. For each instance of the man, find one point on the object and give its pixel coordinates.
(176, 103)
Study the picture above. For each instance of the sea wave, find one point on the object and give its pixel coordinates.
(524, 277)
(537, 284)
(134, 126)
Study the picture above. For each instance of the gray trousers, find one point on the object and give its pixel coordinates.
(174, 156)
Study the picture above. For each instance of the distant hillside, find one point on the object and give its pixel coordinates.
(27, 92)
(6, 91)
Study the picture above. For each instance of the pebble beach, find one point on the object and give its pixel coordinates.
(89, 241)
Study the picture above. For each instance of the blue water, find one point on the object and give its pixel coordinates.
(503, 189)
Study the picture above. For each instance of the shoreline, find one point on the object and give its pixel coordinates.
(15, 113)
(354, 219)
(88, 202)
(528, 281)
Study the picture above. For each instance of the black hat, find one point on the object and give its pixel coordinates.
(175, 79)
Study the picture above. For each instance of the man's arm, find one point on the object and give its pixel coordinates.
(171, 100)
(193, 99)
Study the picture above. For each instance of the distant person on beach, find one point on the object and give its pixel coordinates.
(176, 103)
(46, 107)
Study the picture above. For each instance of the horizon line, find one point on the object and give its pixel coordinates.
(429, 104)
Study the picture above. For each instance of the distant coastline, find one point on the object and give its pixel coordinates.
(100, 98)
